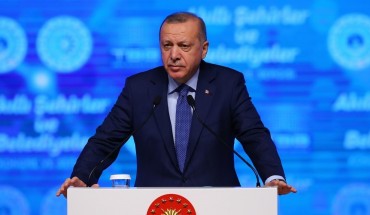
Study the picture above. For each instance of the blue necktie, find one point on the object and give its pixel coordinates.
(182, 125)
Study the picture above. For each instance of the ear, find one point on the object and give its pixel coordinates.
(205, 49)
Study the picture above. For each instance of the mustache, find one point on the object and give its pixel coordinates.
(178, 65)
(175, 64)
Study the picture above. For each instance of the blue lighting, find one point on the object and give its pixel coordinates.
(306, 65)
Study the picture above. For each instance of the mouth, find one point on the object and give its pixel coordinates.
(175, 67)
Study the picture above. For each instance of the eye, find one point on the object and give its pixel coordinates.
(166, 46)
(184, 47)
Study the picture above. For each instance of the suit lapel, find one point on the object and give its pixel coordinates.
(205, 92)
(159, 87)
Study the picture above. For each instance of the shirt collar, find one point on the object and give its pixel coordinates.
(192, 82)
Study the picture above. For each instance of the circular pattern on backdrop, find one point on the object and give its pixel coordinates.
(349, 41)
(352, 200)
(13, 44)
(12, 201)
(64, 44)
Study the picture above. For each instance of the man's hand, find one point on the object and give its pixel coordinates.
(74, 182)
(283, 188)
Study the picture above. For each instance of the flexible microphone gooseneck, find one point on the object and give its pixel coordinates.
(191, 102)
(156, 102)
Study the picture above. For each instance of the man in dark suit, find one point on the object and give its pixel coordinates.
(163, 158)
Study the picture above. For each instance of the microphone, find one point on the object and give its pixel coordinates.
(191, 102)
(156, 102)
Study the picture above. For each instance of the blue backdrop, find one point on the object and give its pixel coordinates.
(307, 66)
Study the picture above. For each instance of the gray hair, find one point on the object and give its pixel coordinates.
(181, 17)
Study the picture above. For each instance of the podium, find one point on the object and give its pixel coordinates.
(201, 201)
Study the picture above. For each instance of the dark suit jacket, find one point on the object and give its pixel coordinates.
(222, 102)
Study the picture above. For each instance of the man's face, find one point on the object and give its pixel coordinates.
(182, 49)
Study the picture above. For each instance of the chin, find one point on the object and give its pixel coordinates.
(176, 74)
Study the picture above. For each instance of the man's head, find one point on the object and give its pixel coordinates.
(183, 42)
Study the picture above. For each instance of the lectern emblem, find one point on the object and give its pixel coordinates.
(171, 204)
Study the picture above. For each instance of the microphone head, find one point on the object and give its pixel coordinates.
(157, 100)
(191, 101)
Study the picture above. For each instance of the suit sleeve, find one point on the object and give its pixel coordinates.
(109, 135)
(252, 134)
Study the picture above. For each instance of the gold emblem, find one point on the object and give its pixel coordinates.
(171, 204)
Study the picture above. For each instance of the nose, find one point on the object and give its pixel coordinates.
(175, 54)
